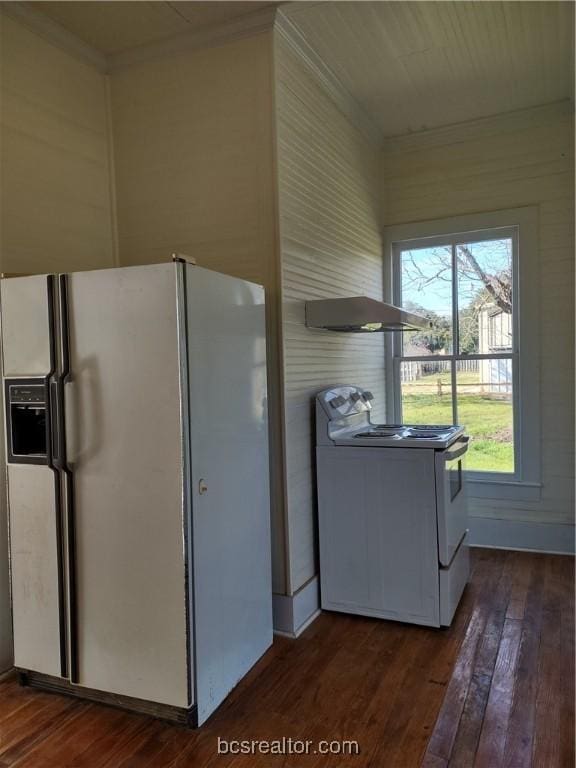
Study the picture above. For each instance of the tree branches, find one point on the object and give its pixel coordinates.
(499, 286)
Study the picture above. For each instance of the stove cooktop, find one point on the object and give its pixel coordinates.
(343, 418)
(406, 435)
(400, 431)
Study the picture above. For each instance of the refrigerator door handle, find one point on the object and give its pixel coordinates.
(68, 481)
(48, 383)
(52, 459)
(72, 573)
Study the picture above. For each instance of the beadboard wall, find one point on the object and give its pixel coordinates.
(523, 158)
(193, 142)
(330, 246)
(55, 187)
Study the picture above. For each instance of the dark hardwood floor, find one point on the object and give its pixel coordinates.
(496, 689)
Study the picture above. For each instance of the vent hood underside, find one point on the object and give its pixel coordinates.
(359, 314)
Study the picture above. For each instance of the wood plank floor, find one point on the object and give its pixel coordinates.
(496, 689)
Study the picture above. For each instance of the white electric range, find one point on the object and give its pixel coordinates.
(392, 512)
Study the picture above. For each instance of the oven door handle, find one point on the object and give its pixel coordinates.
(457, 449)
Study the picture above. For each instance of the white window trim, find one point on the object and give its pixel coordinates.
(525, 484)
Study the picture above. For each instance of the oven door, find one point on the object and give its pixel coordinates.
(451, 503)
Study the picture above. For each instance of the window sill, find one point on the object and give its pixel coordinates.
(512, 490)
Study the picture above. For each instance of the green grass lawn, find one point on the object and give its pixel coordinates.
(488, 421)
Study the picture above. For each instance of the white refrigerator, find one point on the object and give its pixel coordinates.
(137, 472)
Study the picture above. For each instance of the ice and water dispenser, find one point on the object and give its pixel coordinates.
(27, 425)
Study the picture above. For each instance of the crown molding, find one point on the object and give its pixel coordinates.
(248, 25)
(326, 77)
(54, 33)
(211, 35)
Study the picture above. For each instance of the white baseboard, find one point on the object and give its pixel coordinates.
(554, 538)
(293, 613)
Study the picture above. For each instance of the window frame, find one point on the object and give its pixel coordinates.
(522, 224)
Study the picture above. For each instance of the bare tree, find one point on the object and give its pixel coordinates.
(484, 275)
(489, 271)
(498, 285)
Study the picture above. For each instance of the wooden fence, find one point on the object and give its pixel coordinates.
(414, 370)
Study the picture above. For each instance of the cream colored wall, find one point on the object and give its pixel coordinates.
(193, 138)
(55, 200)
(331, 246)
(524, 158)
(192, 135)
(55, 182)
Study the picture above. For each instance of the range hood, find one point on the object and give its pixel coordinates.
(359, 314)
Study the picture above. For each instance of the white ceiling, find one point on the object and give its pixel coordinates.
(112, 27)
(418, 65)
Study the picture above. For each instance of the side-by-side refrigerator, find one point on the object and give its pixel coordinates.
(137, 469)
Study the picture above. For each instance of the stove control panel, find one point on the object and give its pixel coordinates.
(343, 401)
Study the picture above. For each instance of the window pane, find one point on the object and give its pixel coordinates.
(426, 288)
(484, 393)
(426, 392)
(485, 296)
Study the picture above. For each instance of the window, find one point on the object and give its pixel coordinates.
(461, 371)
(469, 367)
